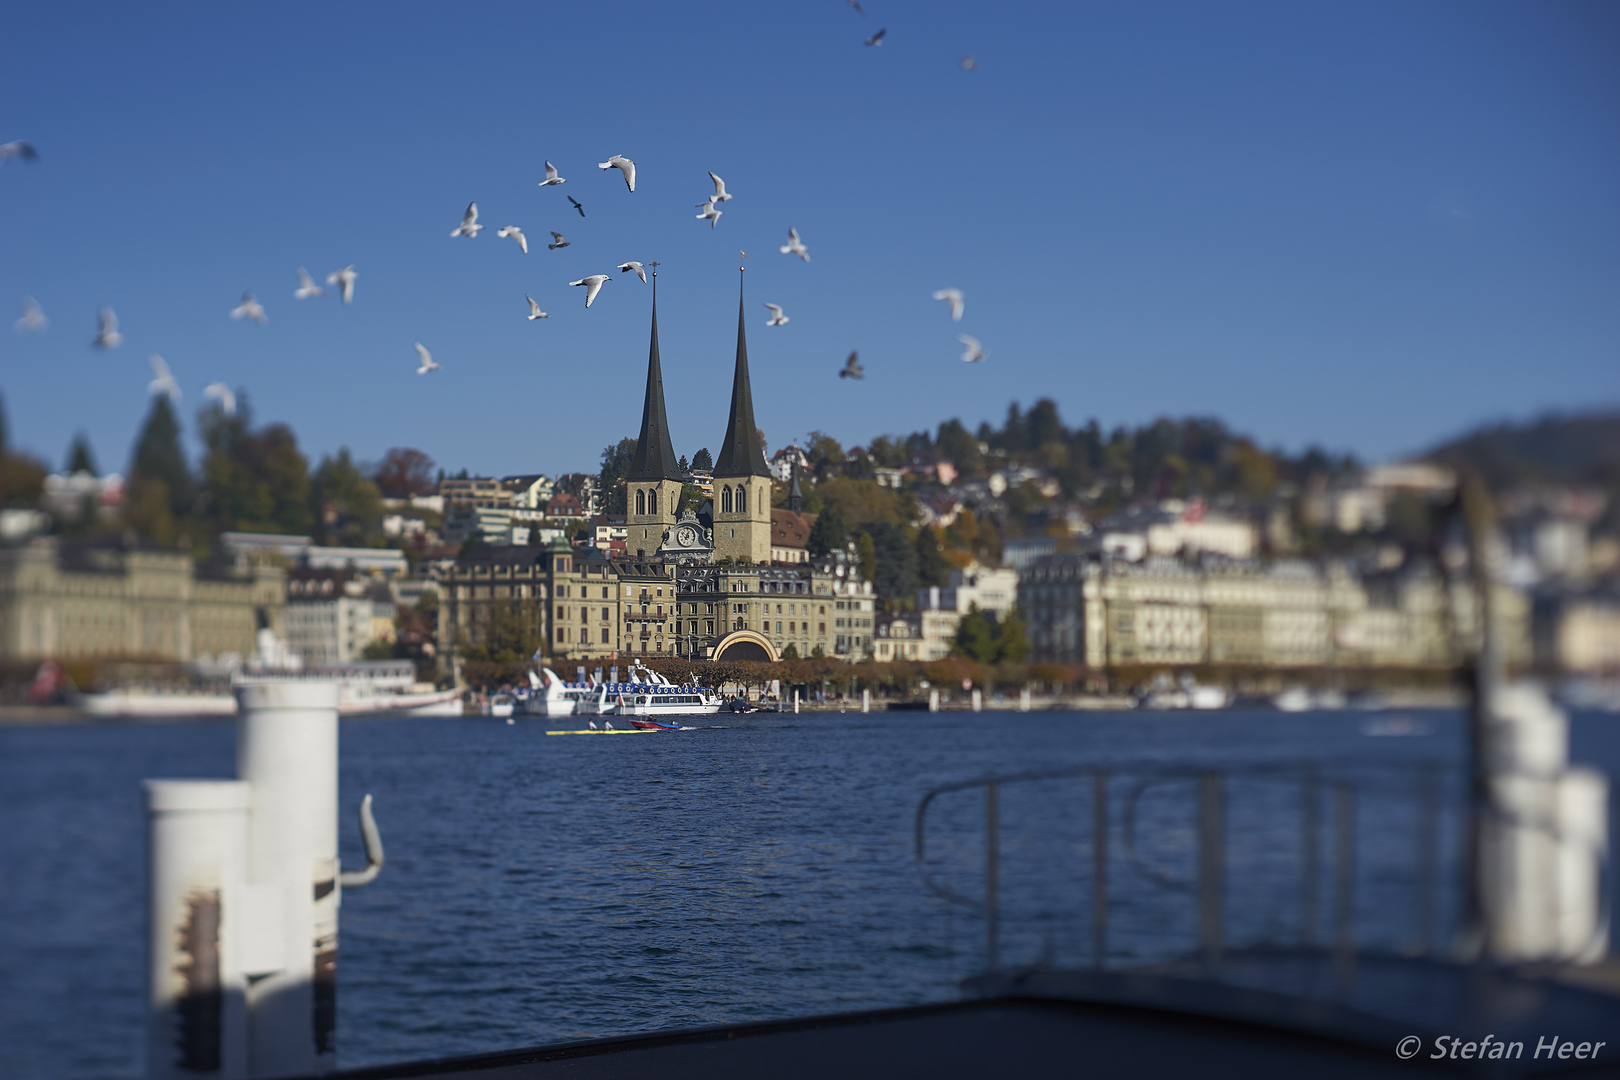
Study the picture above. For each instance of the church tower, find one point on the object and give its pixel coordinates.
(653, 484)
(742, 481)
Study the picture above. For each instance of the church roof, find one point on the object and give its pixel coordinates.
(741, 453)
(654, 458)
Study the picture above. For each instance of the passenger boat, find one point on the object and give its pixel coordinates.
(652, 695)
(551, 696)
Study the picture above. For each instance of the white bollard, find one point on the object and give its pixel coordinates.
(978, 700)
(196, 1019)
(795, 702)
(933, 700)
(1023, 700)
(866, 701)
(287, 749)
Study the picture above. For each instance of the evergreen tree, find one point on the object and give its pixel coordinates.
(866, 552)
(347, 507)
(828, 534)
(703, 460)
(976, 636)
(615, 467)
(1012, 643)
(79, 458)
(254, 481)
(683, 465)
(894, 570)
(161, 491)
(932, 566)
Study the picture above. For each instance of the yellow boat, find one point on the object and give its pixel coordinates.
(610, 731)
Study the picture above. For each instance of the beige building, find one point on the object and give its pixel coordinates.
(112, 599)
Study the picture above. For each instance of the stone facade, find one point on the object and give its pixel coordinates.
(116, 600)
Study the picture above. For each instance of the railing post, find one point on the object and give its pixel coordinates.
(1099, 870)
(1344, 882)
(1310, 872)
(1212, 866)
(992, 854)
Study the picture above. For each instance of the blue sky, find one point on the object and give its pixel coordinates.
(1365, 225)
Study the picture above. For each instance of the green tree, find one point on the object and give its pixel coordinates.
(346, 505)
(829, 533)
(682, 464)
(615, 467)
(866, 552)
(976, 636)
(959, 447)
(894, 571)
(932, 566)
(80, 458)
(791, 652)
(159, 458)
(253, 480)
(404, 472)
(1012, 643)
(703, 460)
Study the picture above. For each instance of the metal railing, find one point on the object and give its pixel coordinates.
(1121, 789)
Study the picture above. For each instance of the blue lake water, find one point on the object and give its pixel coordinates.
(547, 888)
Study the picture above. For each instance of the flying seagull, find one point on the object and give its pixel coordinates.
(344, 277)
(710, 211)
(958, 302)
(427, 360)
(624, 165)
(593, 285)
(162, 382)
(558, 241)
(306, 286)
(534, 309)
(777, 318)
(469, 222)
(517, 234)
(18, 148)
(795, 246)
(626, 267)
(250, 308)
(107, 335)
(551, 176)
(852, 368)
(974, 351)
(222, 393)
(578, 207)
(877, 38)
(33, 317)
(856, 4)
(720, 192)
(969, 64)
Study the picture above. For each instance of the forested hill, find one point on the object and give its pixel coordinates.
(1563, 450)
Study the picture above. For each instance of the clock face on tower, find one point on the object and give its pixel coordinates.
(686, 536)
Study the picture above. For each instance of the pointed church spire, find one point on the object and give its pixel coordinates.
(741, 454)
(795, 496)
(654, 458)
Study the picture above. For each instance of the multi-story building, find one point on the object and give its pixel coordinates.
(474, 492)
(332, 615)
(1101, 611)
(112, 599)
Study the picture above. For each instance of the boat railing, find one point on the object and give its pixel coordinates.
(1130, 864)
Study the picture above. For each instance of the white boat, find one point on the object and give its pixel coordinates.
(652, 696)
(553, 697)
(498, 706)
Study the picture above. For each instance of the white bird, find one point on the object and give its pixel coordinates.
(795, 246)
(469, 222)
(162, 382)
(250, 308)
(306, 286)
(551, 176)
(969, 64)
(710, 211)
(558, 240)
(877, 38)
(852, 367)
(344, 277)
(107, 335)
(625, 166)
(626, 267)
(777, 318)
(593, 285)
(974, 351)
(221, 393)
(517, 234)
(720, 192)
(958, 302)
(33, 317)
(18, 148)
(856, 4)
(534, 309)
(427, 360)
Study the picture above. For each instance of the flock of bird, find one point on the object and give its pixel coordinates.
(107, 336)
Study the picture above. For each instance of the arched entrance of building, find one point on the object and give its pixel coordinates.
(746, 645)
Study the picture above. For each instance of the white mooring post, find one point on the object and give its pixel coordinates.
(933, 699)
(287, 749)
(196, 1022)
(866, 701)
(244, 894)
(1023, 700)
(978, 700)
(795, 702)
